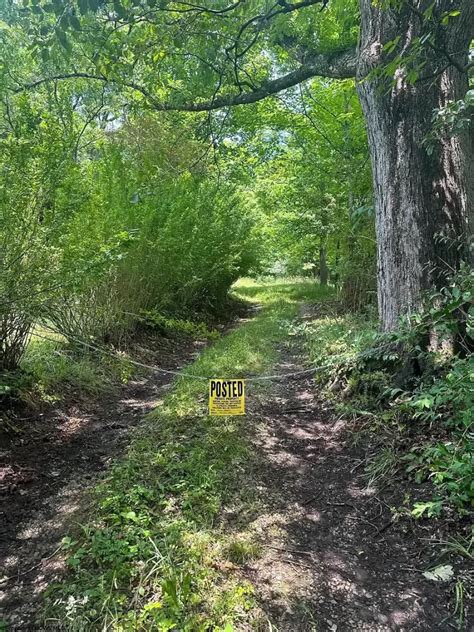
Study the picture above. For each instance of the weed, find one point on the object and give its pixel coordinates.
(459, 611)
(62, 367)
(382, 465)
(240, 551)
(419, 399)
(178, 326)
(459, 545)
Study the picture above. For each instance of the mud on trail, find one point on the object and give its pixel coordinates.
(333, 557)
(48, 467)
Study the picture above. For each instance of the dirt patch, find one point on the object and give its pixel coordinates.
(334, 558)
(46, 468)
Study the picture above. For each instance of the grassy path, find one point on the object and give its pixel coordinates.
(243, 523)
(153, 554)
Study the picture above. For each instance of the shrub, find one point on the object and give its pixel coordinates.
(138, 224)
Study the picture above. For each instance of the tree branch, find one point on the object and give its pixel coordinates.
(200, 9)
(286, 7)
(84, 75)
(338, 65)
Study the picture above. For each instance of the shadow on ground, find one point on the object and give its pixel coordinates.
(332, 557)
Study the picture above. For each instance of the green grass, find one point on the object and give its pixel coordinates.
(149, 556)
(52, 370)
(293, 289)
(335, 334)
(242, 550)
(55, 370)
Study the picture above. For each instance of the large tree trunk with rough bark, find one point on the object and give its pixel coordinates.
(423, 197)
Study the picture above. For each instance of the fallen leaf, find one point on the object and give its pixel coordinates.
(440, 573)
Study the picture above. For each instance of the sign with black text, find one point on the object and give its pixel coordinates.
(227, 397)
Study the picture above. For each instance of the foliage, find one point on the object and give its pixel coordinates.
(29, 234)
(180, 51)
(109, 211)
(454, 118)
(304, 144)
(447, 404)
(54, 370)
(118, 232)
(176, 326)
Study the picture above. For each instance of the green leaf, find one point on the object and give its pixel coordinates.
(120, 9)
(169, 588)
(83, 6)
(391, 45)
(63, 40)
(153, 605)
(428, 13)
(412, 76)
(423, 402)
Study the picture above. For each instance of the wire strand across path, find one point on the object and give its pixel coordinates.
(256, 378)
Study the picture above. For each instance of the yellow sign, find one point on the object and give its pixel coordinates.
(226, 397)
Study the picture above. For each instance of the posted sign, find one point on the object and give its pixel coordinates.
(226, 397)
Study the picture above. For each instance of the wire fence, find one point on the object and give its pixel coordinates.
(314, 368)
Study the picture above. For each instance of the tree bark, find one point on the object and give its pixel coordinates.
(323, 268)
(423, 200)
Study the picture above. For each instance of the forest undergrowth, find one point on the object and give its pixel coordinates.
(411, 391)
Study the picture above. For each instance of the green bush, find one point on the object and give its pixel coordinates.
(90, 242)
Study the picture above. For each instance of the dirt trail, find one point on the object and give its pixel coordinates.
(46, 470)
(333, 560)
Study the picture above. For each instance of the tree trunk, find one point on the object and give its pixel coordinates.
(423, 199)
(323, 268)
